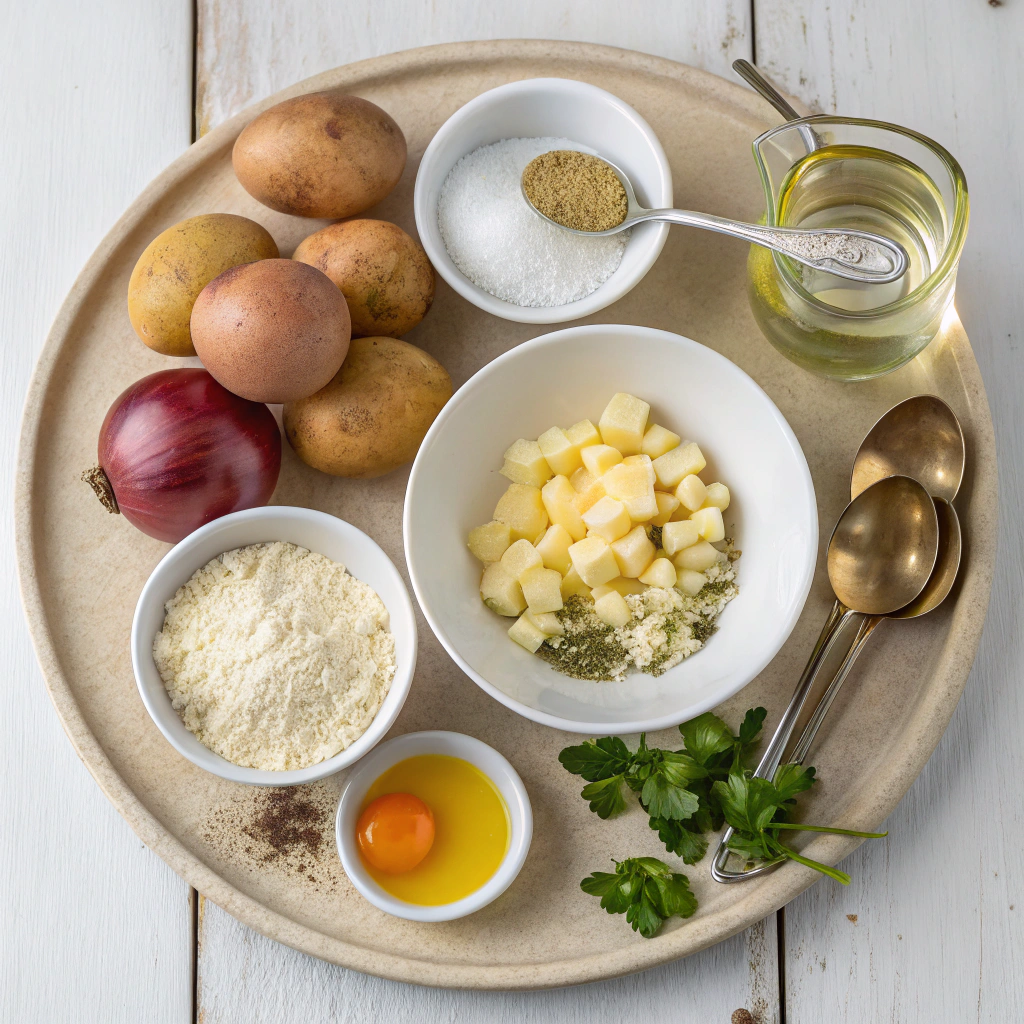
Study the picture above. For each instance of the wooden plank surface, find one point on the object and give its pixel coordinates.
(241, 59)
(96, 102)
(243, 56)
(932, 928)
(702, 989)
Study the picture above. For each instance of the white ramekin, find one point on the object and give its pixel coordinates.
(562, 108)
(452, 744)
(310, 529)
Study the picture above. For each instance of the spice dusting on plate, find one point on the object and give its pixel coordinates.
(289, 828)
(665, 627)
(576, 190)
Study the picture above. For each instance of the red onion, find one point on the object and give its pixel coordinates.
(178, 450)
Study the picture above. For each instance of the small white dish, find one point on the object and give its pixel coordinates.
(453, 744)
(559, 379)
(560, 108)
(307, 528)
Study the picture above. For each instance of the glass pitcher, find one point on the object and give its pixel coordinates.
(841, 172)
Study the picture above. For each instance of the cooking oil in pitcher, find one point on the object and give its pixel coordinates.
(842, 328)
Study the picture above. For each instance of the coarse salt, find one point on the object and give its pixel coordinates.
(505, 247)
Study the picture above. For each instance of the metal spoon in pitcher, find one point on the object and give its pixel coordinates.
(880, 558)
(843, 252)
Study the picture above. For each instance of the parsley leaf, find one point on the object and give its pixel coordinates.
(705, 736)
(683, 838)
(605, 796)
(646, 890)
(596, 759)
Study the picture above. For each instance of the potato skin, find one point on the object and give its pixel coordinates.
(271, 331)
(178, 264)
(321, 155)
(383, 273)
(372, 417)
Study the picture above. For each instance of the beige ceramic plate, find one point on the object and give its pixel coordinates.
(82, 570)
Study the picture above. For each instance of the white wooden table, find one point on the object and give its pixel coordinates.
(99, 97)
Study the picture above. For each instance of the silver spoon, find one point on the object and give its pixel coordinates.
(761, 84)
(880, 559)
(843, 252)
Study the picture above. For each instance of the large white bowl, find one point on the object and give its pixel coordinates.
(310, 529)
(451, 744)
(562, 108)
(561, 378)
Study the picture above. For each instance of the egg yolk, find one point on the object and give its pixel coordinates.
(395, 832)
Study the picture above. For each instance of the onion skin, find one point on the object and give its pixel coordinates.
(179, 450)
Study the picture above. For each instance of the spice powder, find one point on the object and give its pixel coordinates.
(576, 190)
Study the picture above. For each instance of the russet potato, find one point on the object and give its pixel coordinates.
(178, 264)
(383, 273)
(371, 418)
(320, 155)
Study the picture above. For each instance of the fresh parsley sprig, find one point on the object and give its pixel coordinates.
(645, 889)
(758, 809)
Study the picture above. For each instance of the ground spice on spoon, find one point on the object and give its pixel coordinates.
(576, 190)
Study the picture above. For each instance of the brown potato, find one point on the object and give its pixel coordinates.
(178, 264)
(271, 331)
(372, 417)
(321, 155)
(383, 273)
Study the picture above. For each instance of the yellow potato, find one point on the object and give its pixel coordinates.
(178, 264)
(383, 273)
(371, 418)
(320, 155)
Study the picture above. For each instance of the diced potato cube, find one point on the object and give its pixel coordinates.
(624, 422)
(667, 504)
(718, 496)
(634, 552)
(519, 557)
(699, 556)
(671, 467)
(581, 479)
(599, 458)
(521, 508)
(527, 634)
(488, 542)
(574, 585)
(559, 452)
(590, 497)
(658, 440)
(553, 549)
(547, 622)
(593, 559)
(709, 522)
(676, 536)
(660, 573)
(608, 518)
(691, 582)
(632, 483)
(621, 585)
(583, 434)
(525, 463)
(612, 608)
(500, 591)
(560, 504)
(691, 492)
(542, 589)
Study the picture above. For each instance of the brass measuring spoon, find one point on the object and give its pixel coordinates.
(880, 558)
(843, 252)
(921, 438)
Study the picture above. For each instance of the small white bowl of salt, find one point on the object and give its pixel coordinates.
(483, 237)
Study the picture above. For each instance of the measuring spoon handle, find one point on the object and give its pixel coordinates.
(772, 756)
